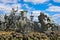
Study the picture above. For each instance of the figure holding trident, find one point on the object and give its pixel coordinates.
(13, 11)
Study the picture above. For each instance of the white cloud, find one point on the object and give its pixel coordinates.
(56, 16)
(9, 1)
(28, 8)
(57, 1)
(36, 1)
(50, 4)
(36, 13)
(53, 9)
(7, 8)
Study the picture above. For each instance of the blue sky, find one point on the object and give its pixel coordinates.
(49, 7)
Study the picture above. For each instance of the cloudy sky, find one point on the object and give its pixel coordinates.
(49, 7)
